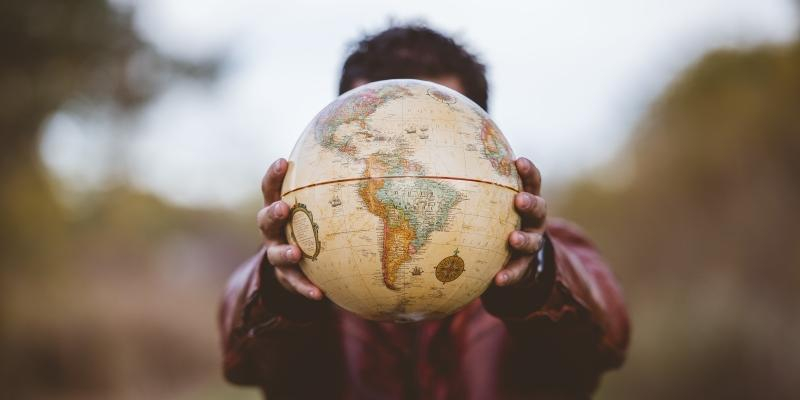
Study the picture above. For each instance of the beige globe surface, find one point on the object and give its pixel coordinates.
(401, 194)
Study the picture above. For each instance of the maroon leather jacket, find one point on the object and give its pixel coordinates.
(552, 338)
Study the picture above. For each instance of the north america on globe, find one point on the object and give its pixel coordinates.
(397, 180)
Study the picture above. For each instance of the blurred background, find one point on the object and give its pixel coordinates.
(135, 133)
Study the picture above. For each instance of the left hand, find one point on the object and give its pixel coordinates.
(527, 241)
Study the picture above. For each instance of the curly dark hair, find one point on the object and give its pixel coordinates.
(411, 51)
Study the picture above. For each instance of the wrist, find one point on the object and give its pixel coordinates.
(284, 302)
(529, 295)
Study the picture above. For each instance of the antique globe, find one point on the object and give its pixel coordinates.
(401, 196)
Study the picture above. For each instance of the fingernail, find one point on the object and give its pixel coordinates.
(525, 201)
(503, 278)
(277, 166)
(524, 164)
(277, 211)
(290, 253)
(312, 294)
(517, 239)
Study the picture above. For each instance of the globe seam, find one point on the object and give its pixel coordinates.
(362, 178)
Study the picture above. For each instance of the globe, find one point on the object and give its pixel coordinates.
(401, 196)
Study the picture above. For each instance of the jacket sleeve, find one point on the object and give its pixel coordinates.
(265, 329)
(573, 317)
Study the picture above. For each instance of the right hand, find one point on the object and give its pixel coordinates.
(272, 221)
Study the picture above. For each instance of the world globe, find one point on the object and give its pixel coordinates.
(401, 196)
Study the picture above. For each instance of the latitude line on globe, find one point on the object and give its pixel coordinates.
(362, 178)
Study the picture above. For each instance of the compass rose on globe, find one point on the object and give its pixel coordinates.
(450, 268)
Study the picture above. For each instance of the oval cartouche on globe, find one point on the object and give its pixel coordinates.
(401, 194)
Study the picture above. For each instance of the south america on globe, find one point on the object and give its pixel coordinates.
(401, 196)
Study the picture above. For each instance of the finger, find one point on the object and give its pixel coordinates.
(525, 242)
(531, 179)
(294, 280)
(273, 180)
(283, 254)
(272, 219)
(514, 271)
(533, 209)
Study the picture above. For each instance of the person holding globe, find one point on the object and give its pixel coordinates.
(549, 325)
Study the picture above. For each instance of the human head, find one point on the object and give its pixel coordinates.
(415, 51)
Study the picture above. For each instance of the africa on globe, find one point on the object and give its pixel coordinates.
(401, 196)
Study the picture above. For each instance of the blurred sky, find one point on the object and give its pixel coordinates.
(208, 144)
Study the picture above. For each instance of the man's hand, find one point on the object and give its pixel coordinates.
(526, 242)
(272, 222)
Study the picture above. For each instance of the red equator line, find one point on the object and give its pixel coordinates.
(363, 178)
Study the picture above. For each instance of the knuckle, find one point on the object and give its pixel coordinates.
(278, 210)
(277, 255)
(262, 217)
(514, 275)
(530, 242)
(285, 254)
(538, 207)
(541, 204)
(274, 258)
(270, 213)
(537, 243)
(280, 204)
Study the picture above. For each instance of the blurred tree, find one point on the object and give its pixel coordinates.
(699, 221)
(53, 52)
